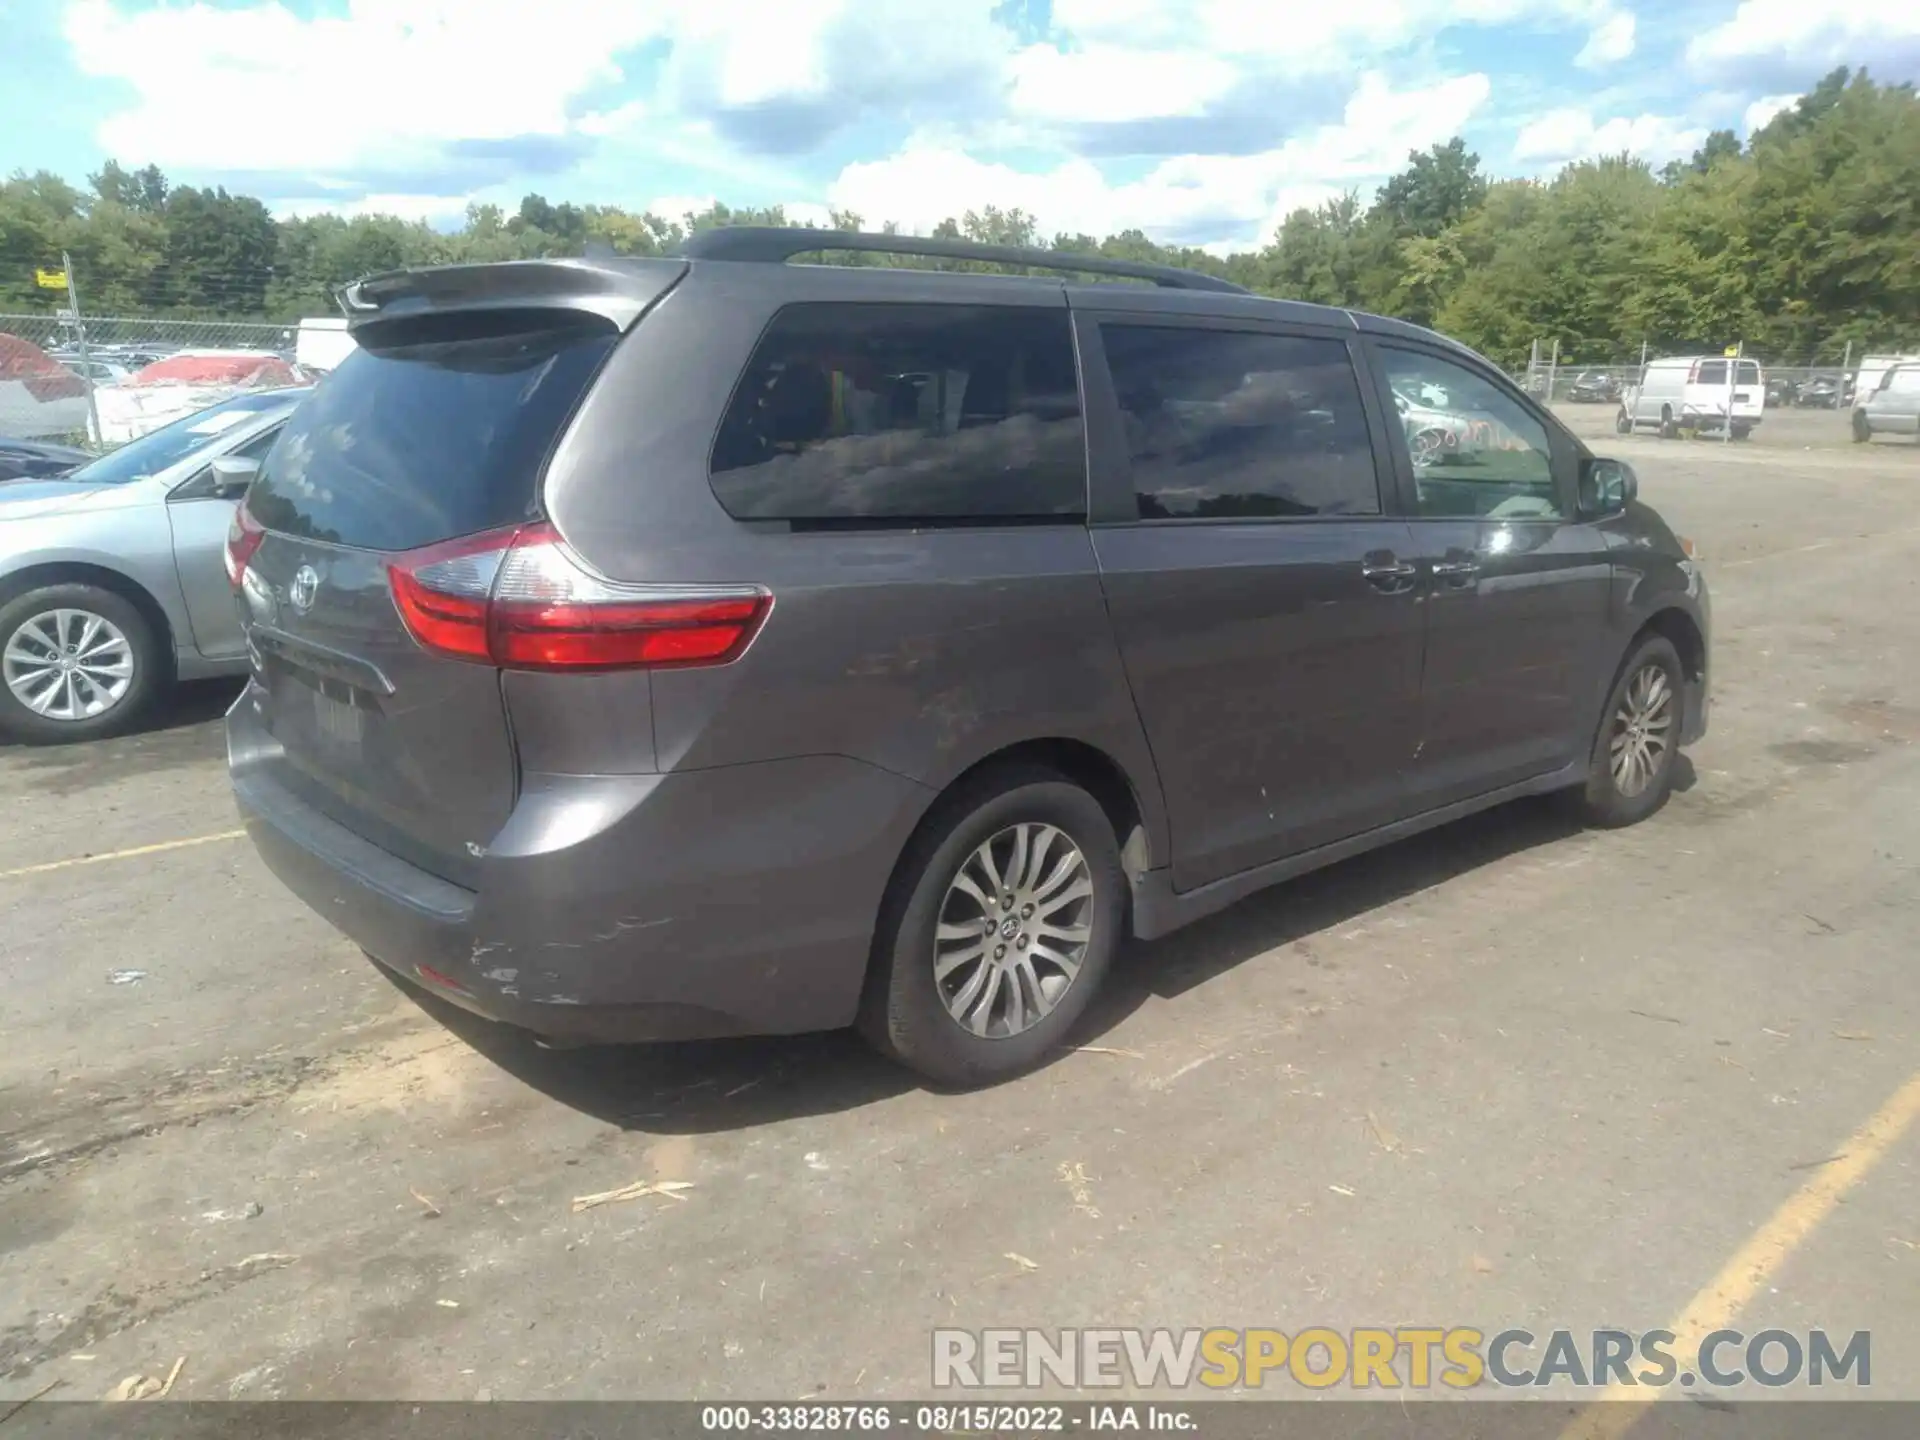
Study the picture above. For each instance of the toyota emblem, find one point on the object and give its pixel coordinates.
(305, 586)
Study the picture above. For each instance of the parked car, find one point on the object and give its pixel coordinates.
(37, 460)
(39, 397)
(1822, 392)
(712, 645)
(1893, 408)
(1595, 387)
(1782, 390)
(111, 579)
(1696, 393)
(183, 384)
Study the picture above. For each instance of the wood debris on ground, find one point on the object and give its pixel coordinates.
(669, 1188)
(430, 1210)
(1387, 1139)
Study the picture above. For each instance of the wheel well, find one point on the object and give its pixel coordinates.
(1678, 628)
(78, 573)
(1094, 771)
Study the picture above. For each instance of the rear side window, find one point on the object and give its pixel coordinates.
(1749, 373)
(1710, 372)
(411, 443)
(897, 413)
(1224, 423)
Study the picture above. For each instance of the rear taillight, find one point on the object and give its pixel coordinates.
(521, 600)
(243, 538)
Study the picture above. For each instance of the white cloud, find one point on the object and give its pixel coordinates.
(1571, 134)
(1764, 109)
(1768, 36)
(1302, 35)
(1104, 84)
(264, 89)
(1214, 198)
(1610, 42)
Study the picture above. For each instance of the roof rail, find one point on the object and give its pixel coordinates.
(776, 244)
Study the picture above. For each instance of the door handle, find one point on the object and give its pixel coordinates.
(1388, 573)
(1456, 571)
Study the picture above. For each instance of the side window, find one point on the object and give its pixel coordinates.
(900, 413)
(1476, 451)
(1905, 379)
(1710, 372)
(1225, 423)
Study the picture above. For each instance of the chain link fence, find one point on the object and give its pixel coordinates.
(131, 336)
(72, 381)
(1567, 382)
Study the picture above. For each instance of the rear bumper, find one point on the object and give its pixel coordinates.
(737, 900)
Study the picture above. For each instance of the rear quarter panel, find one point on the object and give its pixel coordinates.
(917, 651)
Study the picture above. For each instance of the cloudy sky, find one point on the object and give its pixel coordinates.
(1201, 121)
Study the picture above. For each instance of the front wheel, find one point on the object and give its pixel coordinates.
(1630, 770)
(76, 663)
(998, 930)
(1623, 424)
(1669, 427)
(1741, 432)
(1862, 431)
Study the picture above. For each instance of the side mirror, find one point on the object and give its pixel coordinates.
(232, 474)
(1607, 487)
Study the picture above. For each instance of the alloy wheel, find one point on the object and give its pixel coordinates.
(67, 664)
(1013, 930)
(1642, 732)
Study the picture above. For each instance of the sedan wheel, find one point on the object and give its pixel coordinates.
(77, 662)
(68, 665)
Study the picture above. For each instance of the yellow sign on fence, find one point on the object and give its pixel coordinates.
(1731, 351)
(50, 279)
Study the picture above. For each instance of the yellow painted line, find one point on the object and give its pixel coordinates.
(137, 850)
(1754, 1263)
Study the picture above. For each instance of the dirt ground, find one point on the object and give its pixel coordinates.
(1508, 1073)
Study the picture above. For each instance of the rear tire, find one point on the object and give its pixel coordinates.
(1637, 744)
(1741, 432)
(1862, 431)
(42, 704)
(1623, 424)
(965, 1014)
(1669, 430)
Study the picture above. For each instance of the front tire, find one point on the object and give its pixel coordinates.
(76, 663)
(998, 930)
(1862, 431)
(1630, 770)
(1623, 424)
(1669, 428)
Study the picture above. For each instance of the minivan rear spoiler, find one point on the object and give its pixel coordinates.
(616, 290)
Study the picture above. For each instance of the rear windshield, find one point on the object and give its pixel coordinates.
(1714, 372)
(412, 443)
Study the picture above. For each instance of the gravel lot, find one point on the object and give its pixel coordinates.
(1508, 1073)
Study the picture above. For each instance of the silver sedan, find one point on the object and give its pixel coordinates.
(112, 582)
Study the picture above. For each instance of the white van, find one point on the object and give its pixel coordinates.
(1872, 370)
(1694, 392)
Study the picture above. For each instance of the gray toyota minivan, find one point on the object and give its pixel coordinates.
(665, 648)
